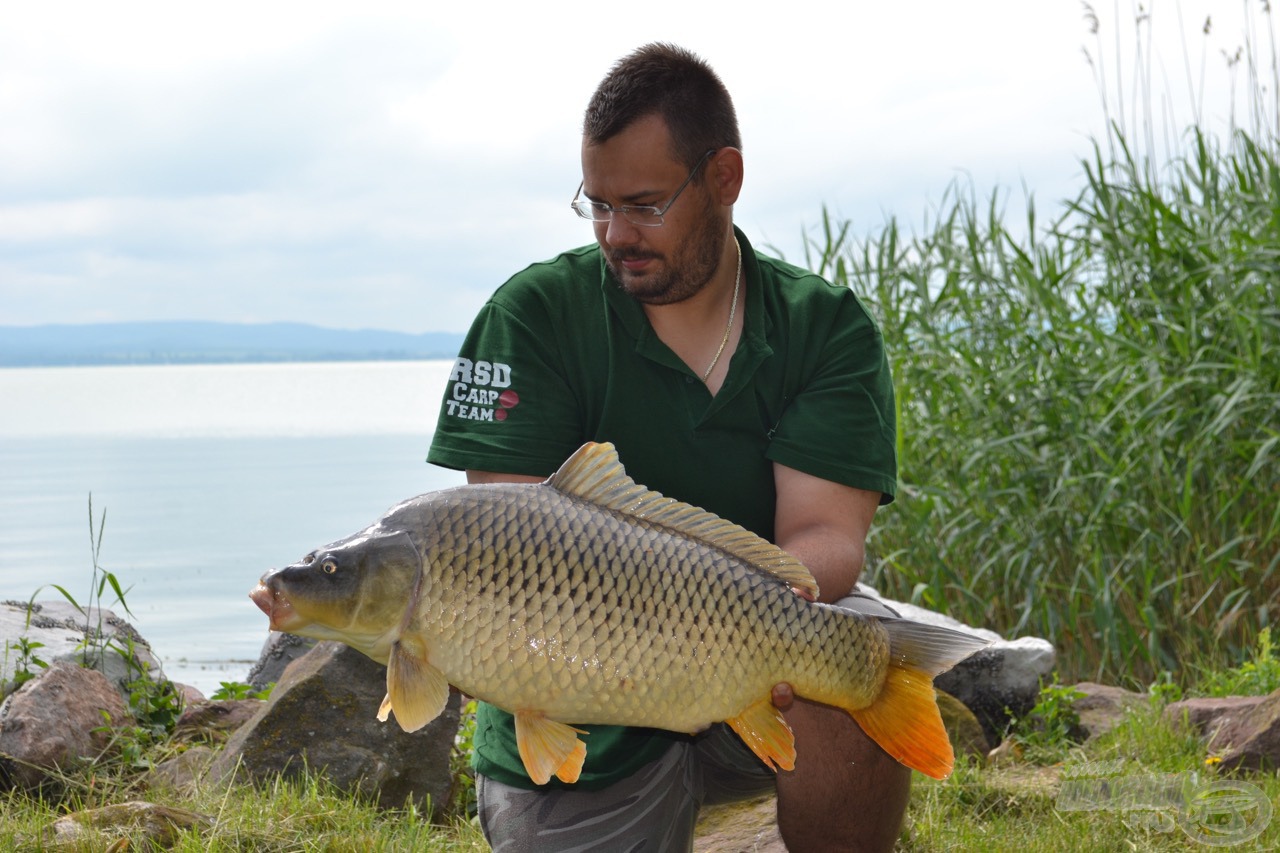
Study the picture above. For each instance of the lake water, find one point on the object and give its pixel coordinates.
(208, 475)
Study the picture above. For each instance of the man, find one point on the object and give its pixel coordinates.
(727, 380)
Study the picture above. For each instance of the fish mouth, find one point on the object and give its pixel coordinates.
(278, 609)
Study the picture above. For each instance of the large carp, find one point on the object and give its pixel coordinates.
(590, 599)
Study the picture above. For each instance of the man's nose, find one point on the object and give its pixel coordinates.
(619, 232)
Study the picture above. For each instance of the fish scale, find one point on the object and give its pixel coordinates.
(591, 599)
(672, 616)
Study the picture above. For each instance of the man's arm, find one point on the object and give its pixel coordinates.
(824, 525)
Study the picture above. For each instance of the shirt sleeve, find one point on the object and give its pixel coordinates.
(841, 424)
(507, 406)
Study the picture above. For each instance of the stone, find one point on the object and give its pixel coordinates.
(56, 722)
(1008, 753)
(214, 721)
(963, 728)
(998, 683)
(322, 718)
(189, 695)
(278, 651)
(735, 827)
(183, 771)
(1203, 713)
(134, 825)
(1242, 731)
(1102, 707)
(94, 637)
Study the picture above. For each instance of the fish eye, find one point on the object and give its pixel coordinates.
(329, 567)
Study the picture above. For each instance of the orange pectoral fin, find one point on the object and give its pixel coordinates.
(549, 748)
(905, 721)
(762, 728)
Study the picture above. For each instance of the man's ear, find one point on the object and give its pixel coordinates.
(724, 173)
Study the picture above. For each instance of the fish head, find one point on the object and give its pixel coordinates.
(356, 591)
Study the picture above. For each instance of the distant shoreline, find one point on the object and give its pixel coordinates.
(214, 360)
(189, 343)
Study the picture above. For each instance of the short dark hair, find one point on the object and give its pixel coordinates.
(674, 83)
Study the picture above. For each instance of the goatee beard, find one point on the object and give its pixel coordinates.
(681, 276)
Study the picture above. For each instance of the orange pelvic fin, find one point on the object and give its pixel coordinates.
(549, 748)
(762, 727)
(904, 718)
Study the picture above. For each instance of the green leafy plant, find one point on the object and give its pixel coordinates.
(1257, 676)
(462, 796)
(1052, 726)
(240, 690)
(155, 703)
(26, 659)
(1164, 690)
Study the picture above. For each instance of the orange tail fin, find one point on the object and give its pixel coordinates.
(904, 719)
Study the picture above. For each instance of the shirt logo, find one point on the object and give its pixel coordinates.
(480, 391)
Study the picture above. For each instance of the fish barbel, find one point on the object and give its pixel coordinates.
(588, 598)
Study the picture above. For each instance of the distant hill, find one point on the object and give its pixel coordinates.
(212, 343)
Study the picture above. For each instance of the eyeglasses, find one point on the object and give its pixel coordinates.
(645, 215)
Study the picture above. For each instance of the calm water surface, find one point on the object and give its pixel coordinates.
(208, 476)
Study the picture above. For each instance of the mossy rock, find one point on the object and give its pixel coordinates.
(963, 728)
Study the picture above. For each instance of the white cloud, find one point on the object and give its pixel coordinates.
(389, 164)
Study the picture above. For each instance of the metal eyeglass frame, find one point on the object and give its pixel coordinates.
(592, 210)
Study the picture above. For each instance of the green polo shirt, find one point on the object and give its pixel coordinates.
(560, 355)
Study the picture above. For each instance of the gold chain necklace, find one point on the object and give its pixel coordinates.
(733, 307)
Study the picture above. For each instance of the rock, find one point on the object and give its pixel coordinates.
(183, 771)
(963, 728)
(139, 824)
(277, 653)
(735, 827)
(189, 695)
(214, 721)
(56, 721)
(64, 630)
(1103, 706)
(1009, 752)
(997, 684)
(1243, 731)
(1203, 714)
(322, 717)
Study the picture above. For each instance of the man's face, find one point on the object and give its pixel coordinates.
(670, 262)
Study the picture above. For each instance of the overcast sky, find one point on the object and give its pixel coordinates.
(388, 164)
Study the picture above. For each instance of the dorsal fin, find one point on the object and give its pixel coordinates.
(594, 473)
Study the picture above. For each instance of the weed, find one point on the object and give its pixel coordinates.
(1087, 404)
(1258, 676)
(1164, 690)
(1052, 726)
(240, 690)
(462, 797)
(26, 659)
(155, 703)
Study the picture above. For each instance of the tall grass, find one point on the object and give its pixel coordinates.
(1090, 408)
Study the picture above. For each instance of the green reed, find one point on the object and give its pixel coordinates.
(1089, 409)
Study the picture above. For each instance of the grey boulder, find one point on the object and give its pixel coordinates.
(322, 718)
